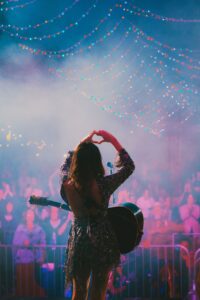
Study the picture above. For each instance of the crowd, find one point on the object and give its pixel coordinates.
(170, 217)
(34, 234)
(167, 215)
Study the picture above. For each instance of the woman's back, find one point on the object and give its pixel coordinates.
(83, 206)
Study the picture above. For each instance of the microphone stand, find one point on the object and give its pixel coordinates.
(110, 166)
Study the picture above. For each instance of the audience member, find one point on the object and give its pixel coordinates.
(146, 203)
(2, 201)
(186, 191)
(123, 196)
(56, 230)
(196, 187)
(190, 214)
(29, 256)
(9, 222)
(117, 284)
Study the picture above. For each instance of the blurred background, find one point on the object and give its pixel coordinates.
(129, 67)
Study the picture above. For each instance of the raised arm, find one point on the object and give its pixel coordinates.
(111, 182)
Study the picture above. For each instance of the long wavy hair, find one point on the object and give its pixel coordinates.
(86, 166)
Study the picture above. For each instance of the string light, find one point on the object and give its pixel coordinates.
(165, 95)
(135, 10)
(133, 117)
(152, 112)
(140, 116)
(68, 51)
(102, 60)
(16, 6)
(150, 39)
(156, 64)
(45, 22)
(10, 1)
(49, 35)
(136, 30)
(147, 13)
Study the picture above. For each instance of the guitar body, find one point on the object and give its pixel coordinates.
(127, 221)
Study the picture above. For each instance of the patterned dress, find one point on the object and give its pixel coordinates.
(92, 244)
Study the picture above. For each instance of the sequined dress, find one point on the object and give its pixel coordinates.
(92, 243)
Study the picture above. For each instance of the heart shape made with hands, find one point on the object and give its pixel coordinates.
(97, 139)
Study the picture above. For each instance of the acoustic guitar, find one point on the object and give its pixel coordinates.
(127, 221)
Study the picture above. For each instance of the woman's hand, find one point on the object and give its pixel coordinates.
(106, 136)
(89, 137)
(109, 138)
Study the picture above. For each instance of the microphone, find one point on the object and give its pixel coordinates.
(109, 165)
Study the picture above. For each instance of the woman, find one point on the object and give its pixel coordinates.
(92, 245)
(28, 256)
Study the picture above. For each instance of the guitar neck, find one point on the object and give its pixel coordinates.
(46, 202)
(58, 204)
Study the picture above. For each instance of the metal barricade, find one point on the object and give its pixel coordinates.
(25, 273)
(7, 270)
(192, 239)
(196, 285)
(156, 272)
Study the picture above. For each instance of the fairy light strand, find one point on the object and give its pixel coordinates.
(68, 51)
(45, 22)
(16, 6)
(147, 13)
(49, 35)
(171, 91)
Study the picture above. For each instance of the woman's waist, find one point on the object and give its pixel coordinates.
(91, 219)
